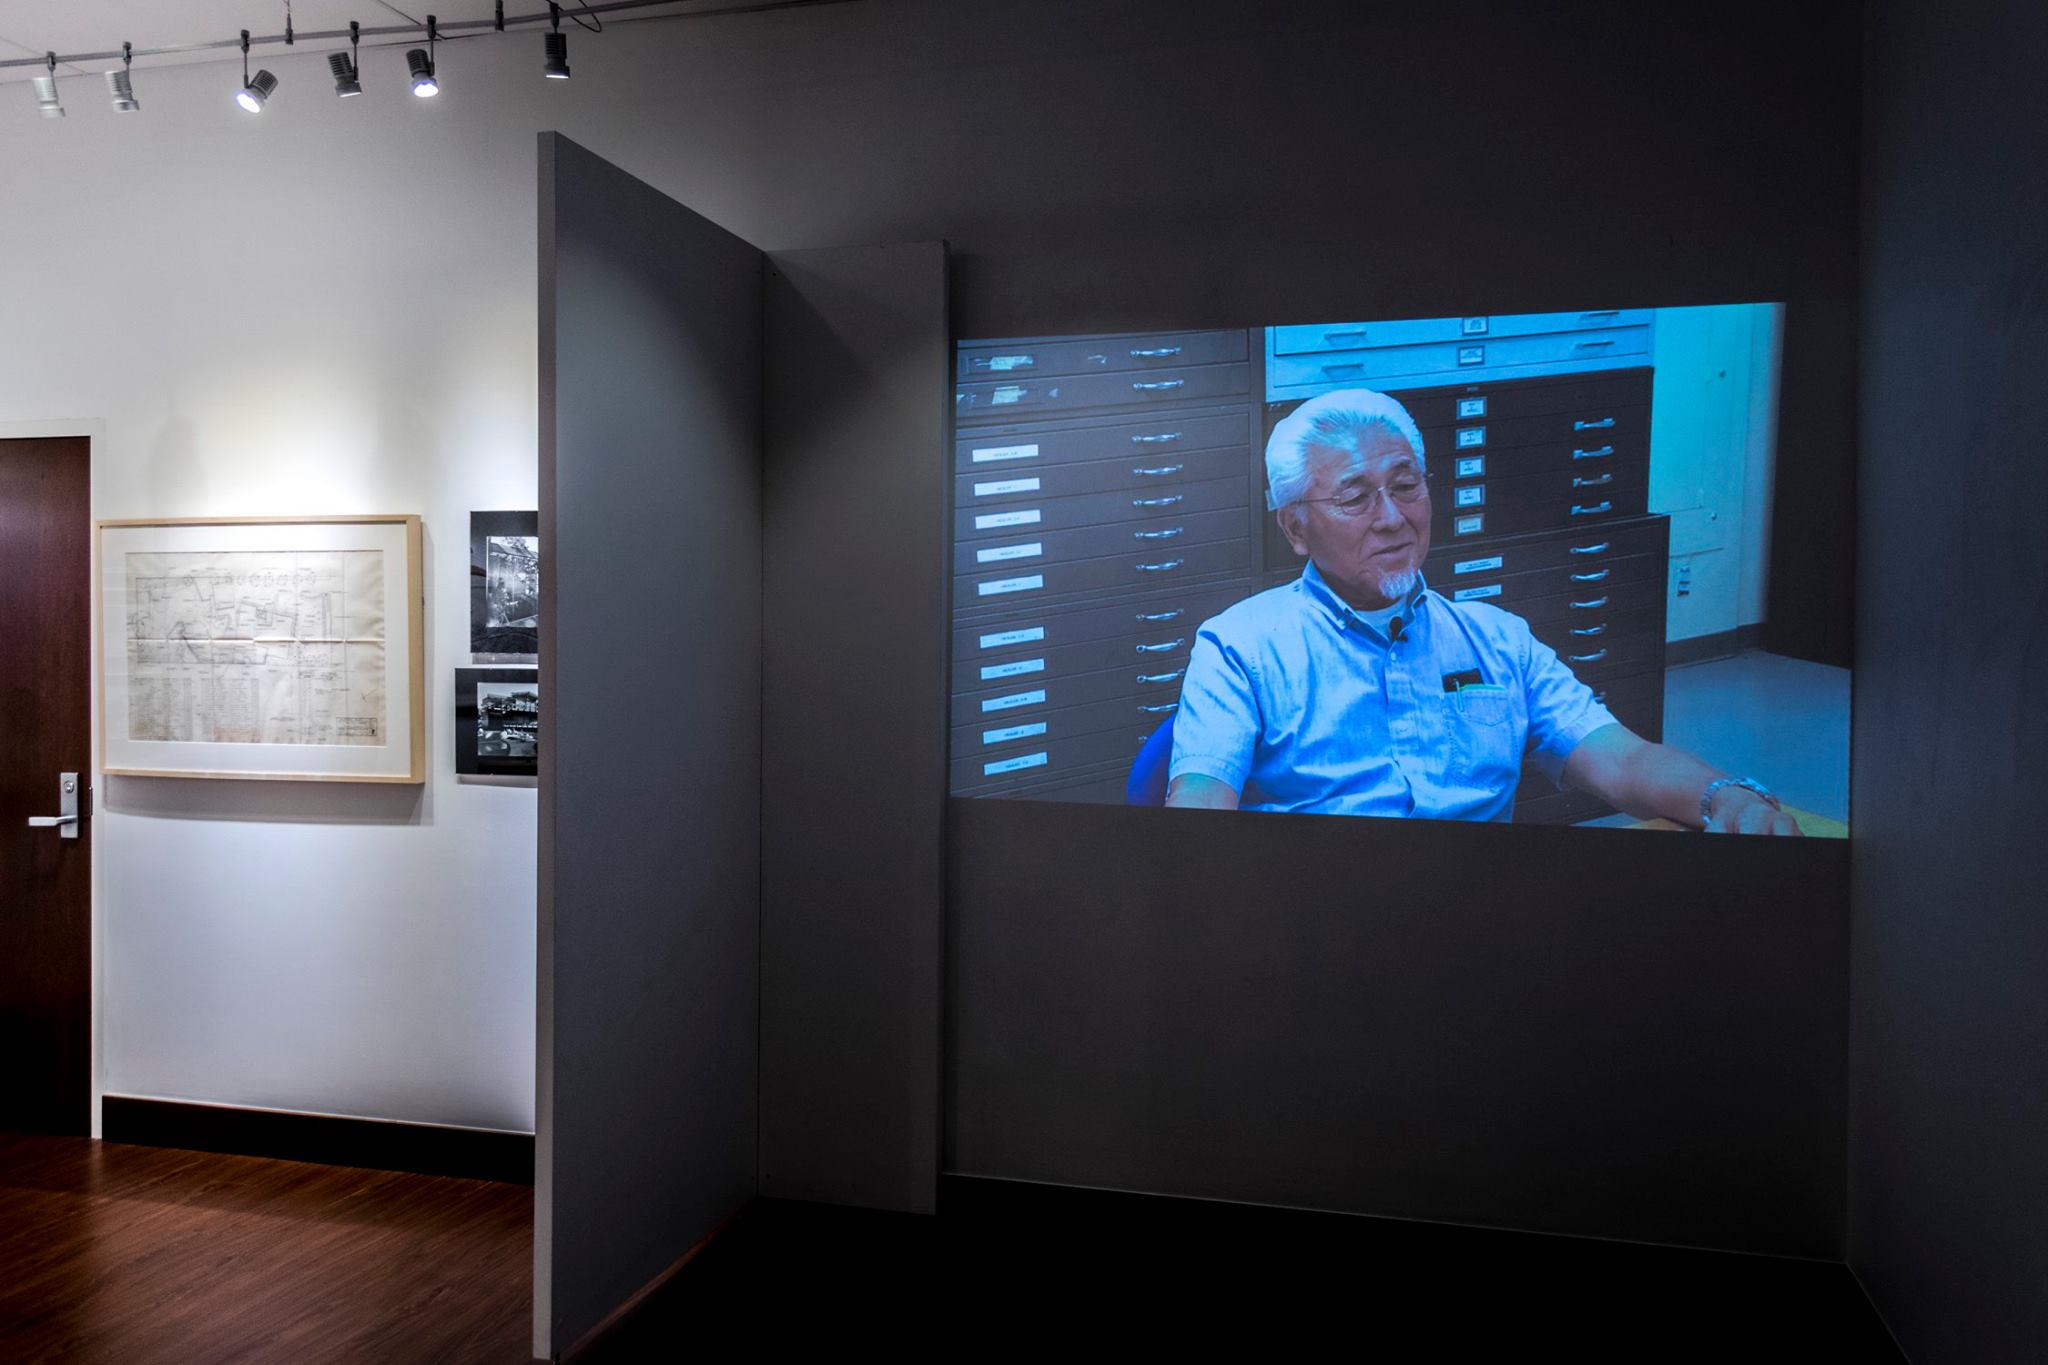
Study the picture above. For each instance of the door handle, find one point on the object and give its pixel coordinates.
(65, 821)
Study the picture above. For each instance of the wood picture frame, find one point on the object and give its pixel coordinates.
(264, 648)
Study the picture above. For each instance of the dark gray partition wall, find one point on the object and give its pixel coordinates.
(1949, 1135)
(855, 672)
(650, 788)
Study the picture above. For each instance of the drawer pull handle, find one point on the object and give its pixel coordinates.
(1158, 438)
(1589, 549)
(1600, 629)
(1592, 345)
(1173, 615)
(1593, 511)
(1166, 648)
(1593, 605)
(1579, 424)
(1159, 502)
(1578, 482)
(1159, 385)
(1593, 577)
(1335, 337)
(1167, 534)
(1600, 313)
(1592, 454)
(1170, 677)
(1595, 657)
(1163, 566)
(1154, 352)
(1160, 709)
(1158, 471)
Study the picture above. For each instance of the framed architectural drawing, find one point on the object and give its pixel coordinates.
(497, 721)
(263, 647)
(504, 586)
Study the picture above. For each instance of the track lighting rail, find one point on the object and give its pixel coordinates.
(406, 30)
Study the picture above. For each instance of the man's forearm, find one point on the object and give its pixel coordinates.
(1202, 791)
(1658, 780)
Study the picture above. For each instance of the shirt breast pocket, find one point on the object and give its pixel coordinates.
(1487, 731)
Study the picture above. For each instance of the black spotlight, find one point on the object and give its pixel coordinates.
(347, 78)
(255, 91)
(557, 68)
(421, 63)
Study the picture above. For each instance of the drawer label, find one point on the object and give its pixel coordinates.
(1012, 637)
(1468, 526)
(1476, 565)
(1471, 497)
(1010, 362)
(1011, 765)
(1012, 669)
(991, 454)
(1471, 467)
(1472, 327)
(1007, 393)
(1003, 585)
(990, 520)
(1471, 407)
(1004, 736)
(1467, 355)
(1030, 549)
(1469, 437)
(1013, 701)
(999, 486)
(1475, 594)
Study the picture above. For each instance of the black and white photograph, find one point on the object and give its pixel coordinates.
(497, 721)
(504, 586)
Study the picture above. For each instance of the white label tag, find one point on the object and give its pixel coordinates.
(1471, 467)
(1008, 393)
(1471, 407)
(1471, 497)
(1468, 526)
(1010, 362)
(1003, 585)
(1013, 732)
(990, 454)
(1468, 437)
(1473, 327)
(1028, 550)
(1013, 701)
(1476, 565)
(1011, 765)
(1012, 669)
(1012, 637)
(994, 519)
(1473, 594)
(990, 490)
(1467, 355)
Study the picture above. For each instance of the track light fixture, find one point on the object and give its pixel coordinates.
(346, 66)
(421, 62)
(557, 68)
(121, 85)
(254, 92)
(47, 102)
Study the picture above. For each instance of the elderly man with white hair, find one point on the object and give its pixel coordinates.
(1357, 690)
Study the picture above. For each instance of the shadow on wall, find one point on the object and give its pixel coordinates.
(306, 803)
(176, 477)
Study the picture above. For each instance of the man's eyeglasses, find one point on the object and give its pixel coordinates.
(1405, 488)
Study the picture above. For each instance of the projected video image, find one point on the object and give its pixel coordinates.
(1464, 568)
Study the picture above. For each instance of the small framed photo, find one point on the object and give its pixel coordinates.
(504, 586)
(497, 721)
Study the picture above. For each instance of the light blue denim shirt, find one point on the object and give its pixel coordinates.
(1302, 704)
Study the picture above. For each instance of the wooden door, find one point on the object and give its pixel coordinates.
(45, 710)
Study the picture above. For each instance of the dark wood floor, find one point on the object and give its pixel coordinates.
(139, 1254)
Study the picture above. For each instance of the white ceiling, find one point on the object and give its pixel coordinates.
(30, 28)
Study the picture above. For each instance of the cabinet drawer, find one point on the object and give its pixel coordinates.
(1590, 398)
(1038, 581)
(1013, 450)
(1158, 650)
(1350, 336)
(986, 489)
(1059, 755)
(1604, 658)
(1101, 354)
(1564, 582)
(1586, 550)
(1029, 700)
(999, 636)
(1520, 445)
(1510, 507)
(1009, 397)
(1593, 605)
(1001, 738)
(1396, 366)
(1163, 536)
(1583, 632)
(1094, 509)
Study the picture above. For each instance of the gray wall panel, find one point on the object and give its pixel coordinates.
(650, 733)
(1949, 1073)
(855, 671)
